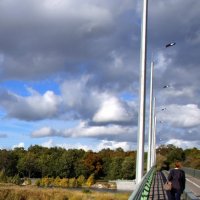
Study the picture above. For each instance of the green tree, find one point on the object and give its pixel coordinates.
(27, 164)
(176, 154)
(128, 168)
(192, 158)
(43, 164)
(3, 177)
(115, 167)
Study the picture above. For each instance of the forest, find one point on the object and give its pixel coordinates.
(107, 164)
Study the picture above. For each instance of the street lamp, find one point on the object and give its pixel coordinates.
(170, 44)
(166, 86)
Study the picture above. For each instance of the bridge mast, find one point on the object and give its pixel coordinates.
(141, 116)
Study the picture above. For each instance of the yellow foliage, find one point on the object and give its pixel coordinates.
(80, 181)
(90, 181)
(46, 182)
(64, 182)
(56, 181)
(72, 182)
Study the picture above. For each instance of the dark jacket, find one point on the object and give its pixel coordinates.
(177, 177)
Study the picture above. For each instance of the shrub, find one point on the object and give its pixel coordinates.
(90, 181)
(16, 180)
(86, 191)
(80, 181)
(3, 177)
(72, 182)
(56, 181)
(46, 182)
(38, 183)
(29, 181)
(64, 182)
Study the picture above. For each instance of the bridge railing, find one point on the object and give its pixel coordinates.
(142, 190)
(193, 172)
(188, 195)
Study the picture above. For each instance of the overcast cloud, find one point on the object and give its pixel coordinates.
(78, 63)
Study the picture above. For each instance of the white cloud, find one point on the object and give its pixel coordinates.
(50, 143)
(21, 144)
(104, 144)
(184, 144)
(83, 130)
(181, 115)
(32, 107)
(76, 100)
(76, 93)
(112, 110)
(172, 93)
(98, 131)
(45, 132)
(86, 12)
(89, 47)
(162, 61)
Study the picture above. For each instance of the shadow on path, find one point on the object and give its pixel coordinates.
(157, 191)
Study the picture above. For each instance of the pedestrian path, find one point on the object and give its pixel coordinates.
(157, 192)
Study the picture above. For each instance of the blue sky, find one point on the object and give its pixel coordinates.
(69, 72)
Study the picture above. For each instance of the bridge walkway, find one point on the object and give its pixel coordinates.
(157, 192)
(152, 187)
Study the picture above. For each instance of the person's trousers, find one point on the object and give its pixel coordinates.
(175, 194)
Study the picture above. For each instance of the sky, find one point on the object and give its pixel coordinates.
(69, 73)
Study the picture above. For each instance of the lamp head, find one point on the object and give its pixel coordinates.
(170, 44)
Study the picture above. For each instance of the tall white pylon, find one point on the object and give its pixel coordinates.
(150, 119)
(141, 116)
(153, 139)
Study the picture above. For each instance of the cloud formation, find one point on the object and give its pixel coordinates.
(30, 108)
(109, 132)
(183, 116)
(91, 51)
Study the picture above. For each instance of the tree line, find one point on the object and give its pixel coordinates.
(107, 164)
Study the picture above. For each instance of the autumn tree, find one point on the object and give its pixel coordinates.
(93, 163)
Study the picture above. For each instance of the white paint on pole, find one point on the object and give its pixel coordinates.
(150, 119)
(141, 116)
(154, 145)
(153, 130)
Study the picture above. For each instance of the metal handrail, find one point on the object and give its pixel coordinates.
(188, 195)
(193, 172)
(143, 188)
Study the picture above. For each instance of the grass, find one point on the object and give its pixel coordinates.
(13, 192)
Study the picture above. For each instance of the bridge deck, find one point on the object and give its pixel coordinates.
(157, 191)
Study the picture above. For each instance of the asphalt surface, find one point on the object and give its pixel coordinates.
(193, 184)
